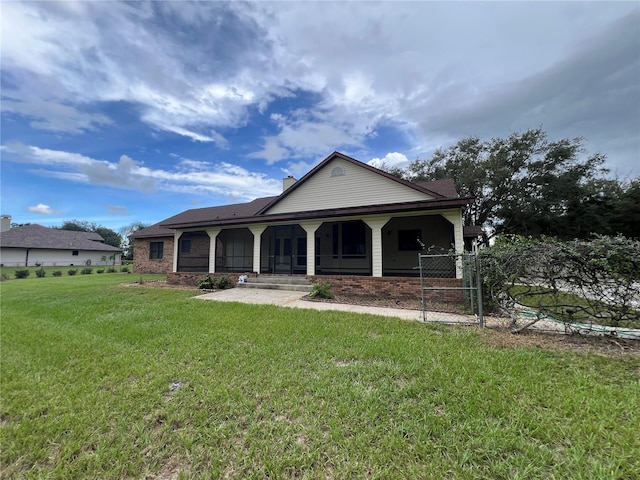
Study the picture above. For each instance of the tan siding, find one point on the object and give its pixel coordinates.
(357, 187)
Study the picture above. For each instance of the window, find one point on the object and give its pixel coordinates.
(337, 172)
(354, 239)
(185, 245)
(74, 253)
(155, 250)
(408, 240)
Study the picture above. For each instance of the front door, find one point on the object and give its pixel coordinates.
(288, 250)
(282, 255)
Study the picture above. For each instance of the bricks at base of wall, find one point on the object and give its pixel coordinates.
(352, 285)
(191, 279)
(394, 287)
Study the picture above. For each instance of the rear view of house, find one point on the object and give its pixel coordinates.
(343, 222)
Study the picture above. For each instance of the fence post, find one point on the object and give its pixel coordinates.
(479, 292)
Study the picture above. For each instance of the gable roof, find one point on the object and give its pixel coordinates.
(37, 236)
(337, 155)
(433, 195)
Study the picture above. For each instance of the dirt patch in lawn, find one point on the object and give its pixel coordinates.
(159, 284)
(501, 337)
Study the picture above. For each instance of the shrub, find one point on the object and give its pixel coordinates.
(57, 273)
(72, 271)
(100, 270)
(111, 270)
(206, 282)
(86, 271)
(124, 269)
(22, 273)
(592, 281)
(224, 282)
(321, 290)
(41, 273)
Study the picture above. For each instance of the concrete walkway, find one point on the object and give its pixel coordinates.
(291, 299)
(285, 298)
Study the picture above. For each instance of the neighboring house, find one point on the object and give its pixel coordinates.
(31, 245)
(343, 222)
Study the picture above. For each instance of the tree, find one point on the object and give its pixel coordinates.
(79, 226)
(525, 184)
(110, 237)
(127, 245)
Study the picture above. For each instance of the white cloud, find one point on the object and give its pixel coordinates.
(189, 176)
(391, 159)
(427, 69)
(41, 209)
(118, 210)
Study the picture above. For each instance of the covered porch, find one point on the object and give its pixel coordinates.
(377, 246)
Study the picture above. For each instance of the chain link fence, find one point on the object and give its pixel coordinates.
(451, 288)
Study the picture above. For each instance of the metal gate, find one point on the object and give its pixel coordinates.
(468, 301)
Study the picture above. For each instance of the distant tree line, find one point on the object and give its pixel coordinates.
(526, 184)
(111, 237)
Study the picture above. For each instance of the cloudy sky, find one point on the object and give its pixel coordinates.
(122, 112)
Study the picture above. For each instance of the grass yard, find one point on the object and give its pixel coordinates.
(104, 381)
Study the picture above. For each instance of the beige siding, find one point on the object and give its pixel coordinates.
(357, 187)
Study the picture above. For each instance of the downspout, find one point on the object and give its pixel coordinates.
(26, 260)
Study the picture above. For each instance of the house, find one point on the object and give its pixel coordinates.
(345, 223)
(32, 245)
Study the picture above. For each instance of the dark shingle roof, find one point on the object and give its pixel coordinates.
(223, 212)
(445, 187)
(153, 231)
(37, 236)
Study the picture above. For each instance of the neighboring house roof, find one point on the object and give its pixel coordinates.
(37, 236)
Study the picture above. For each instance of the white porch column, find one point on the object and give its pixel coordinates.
(213, 235)
(257, 237)
(176, 248)
(376, 224)
(455, 217)
(310, 228)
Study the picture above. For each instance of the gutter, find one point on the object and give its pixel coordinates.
(317, 214)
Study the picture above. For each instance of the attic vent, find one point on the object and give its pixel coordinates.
(337, 172)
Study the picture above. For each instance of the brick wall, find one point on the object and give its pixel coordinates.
(393, 287)
(143, 264)
(191, 279)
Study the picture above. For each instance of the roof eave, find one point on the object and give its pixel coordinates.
(437, 204)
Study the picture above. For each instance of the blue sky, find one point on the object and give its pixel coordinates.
(121, 112)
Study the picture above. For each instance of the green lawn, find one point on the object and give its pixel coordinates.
(88, 369)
